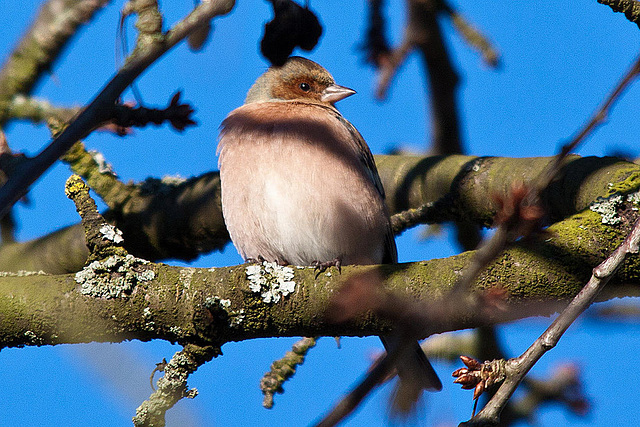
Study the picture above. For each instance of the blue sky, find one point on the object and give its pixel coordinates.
(559, 61)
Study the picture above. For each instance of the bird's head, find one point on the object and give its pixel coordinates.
(298, 79)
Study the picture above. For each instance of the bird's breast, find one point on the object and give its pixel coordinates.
(294, 191)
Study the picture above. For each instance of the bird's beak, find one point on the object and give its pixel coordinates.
(335, 93)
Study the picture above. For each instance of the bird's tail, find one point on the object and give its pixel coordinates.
(415, 372)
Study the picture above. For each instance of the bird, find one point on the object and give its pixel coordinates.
(299, 185)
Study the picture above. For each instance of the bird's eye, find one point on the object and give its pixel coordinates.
(305, 87)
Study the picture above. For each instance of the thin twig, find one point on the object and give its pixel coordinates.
(472, 36)
(517, 368)
(388, 65)
(38, 110)
(404, 220)
(173, 385)
(283, 369)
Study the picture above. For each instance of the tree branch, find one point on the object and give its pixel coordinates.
(102, 107)
(630, 8)
(205, 306)
(173, 219)
(55, 25)
(173, 385)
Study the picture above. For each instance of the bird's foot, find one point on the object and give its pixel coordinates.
(321, 267)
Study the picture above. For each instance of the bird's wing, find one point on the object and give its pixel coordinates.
(366, 158)
(364, 153)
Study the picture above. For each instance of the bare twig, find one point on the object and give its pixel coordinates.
(422, 32)
(38, 110)
(389, 64)
(517, 368)
(472, 36)
(102, 107)
(176, 113)
(55, 25)
(173, 385)
(427, 35)
(412, 217)
(283, 369)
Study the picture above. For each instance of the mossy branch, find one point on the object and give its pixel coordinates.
(205, 306)
(630, 8)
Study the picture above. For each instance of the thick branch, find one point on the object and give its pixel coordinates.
(161, 220)
(205, 306)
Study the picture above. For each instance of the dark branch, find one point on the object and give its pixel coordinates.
(101, 108)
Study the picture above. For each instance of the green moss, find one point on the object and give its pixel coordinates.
(625, 181)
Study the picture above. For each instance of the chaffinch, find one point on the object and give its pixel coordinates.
(300, 186)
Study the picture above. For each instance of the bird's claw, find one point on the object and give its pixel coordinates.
(321, 267)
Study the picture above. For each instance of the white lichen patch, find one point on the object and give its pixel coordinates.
(186, 274)
(173, 180)
(271, 280)
(109, 232)
(103, 165)
(608, 208)
(114, 277)
(22, 273)
(635, 199)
